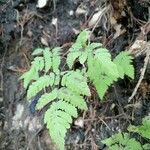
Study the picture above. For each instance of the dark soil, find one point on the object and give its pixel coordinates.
(22, 26)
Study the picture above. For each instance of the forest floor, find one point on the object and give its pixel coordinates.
(117, 24)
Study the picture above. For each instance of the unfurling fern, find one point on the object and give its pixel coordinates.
(65, 90)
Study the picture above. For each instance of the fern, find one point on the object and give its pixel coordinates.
(124, 66)
(47, 54)
(73, 98)
(41, 83)
(33, 73)
(125, 142)
(56, 59)
(64, 91)
(58, 119)
(102, 71)
(46, 99)
(122, 141)
(144, 129)
(76, 83)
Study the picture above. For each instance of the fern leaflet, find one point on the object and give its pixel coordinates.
(73, 98)
(33, 73)
(46, 98)
(58, 119)
(48, 59)
(56, 59)
(41, 83)
(123, 62)
(76, 82)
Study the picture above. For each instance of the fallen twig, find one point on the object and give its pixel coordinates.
(142, 72)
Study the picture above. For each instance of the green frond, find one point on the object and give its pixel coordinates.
(57, 79)
(103, 56)
(73, 98)
(100, 77)
(83, 57)
(93, 46)
(146, 146)
(74, 53)
(33, 73)
(71, 57)
(56, 59)
(46, 98)
(76, 82)
(41, 83)
(122, 141)
(69, 87)
(37, 51)
(83, 37)
(47, 54)
(58, 119)
(144, 129)
(78, 49)
(123, 62)
(65, 106)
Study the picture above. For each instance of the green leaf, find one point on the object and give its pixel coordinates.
(83, 57)
(83, 37)
(71, 57)
(143, 130)
(41, 83)
(123, 62)
(46, 98)
(73, 98)
(76, 82)
(48, 59)
(146, 147)
(37, 51)
(104, 59)
(122, 141)
(32, 74)
(58, 119)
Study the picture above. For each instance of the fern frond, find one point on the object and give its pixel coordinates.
(103, 56)
(78, 49)
(144, 129)
(37, 51)
(74, 53)
(58, 119)
(71, 57)
(123, 62)
(73, 98)
(41, 83)
(46, 98)
(47, 54)
(83, 57)
(100, 77)
(83, 37)
(56, 59)
(57, 79)
(32, 74)
(76, 82)
(122, 141)
(93, 46)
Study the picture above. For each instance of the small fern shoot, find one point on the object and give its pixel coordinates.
(143, 130)
(122, 141)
